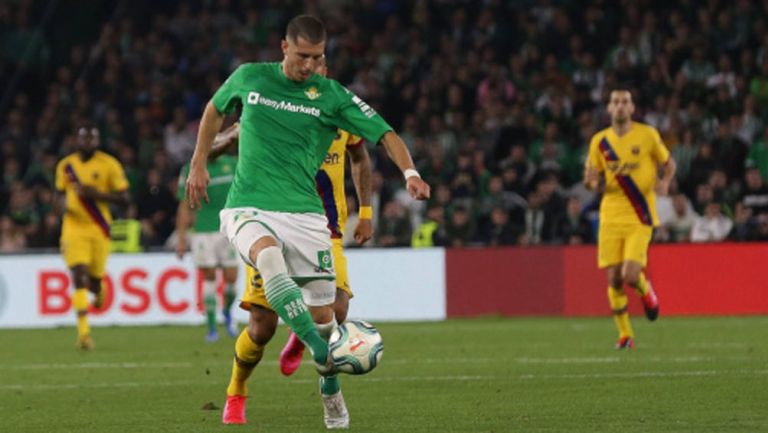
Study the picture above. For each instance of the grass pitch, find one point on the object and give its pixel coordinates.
(485, 375)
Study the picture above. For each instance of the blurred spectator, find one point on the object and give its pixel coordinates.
(758, 155)
(394, 227)
(713, 226)
(460, 228)
(754, 195)
(431, 233)
(572, 227)
(180, 136)
(677, 227)
(744, 228)
(156, 207)
(12, 240)
(500, 231)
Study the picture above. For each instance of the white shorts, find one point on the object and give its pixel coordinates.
(304, 239)
(213, 250)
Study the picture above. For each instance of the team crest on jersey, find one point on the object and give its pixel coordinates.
(312, 93)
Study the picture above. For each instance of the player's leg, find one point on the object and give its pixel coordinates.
(97, 269)
(204, 257)
(209, 302)
(617, 298)
(250, 233)
(249, 349)
(80, 305)
(229, 262)
(319, 296)
(293, 351)
(230, 279)
(77, 253)
(636, 258)
(610, 257)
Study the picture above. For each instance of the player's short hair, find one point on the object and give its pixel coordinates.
(620, 88)
(307, 27)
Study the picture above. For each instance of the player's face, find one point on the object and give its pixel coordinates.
(302, 58)
(620, 106)
(87, 140)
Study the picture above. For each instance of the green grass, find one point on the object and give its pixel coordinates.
(487, 375)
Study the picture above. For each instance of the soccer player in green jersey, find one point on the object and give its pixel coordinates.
(210, 248)
(273, 215)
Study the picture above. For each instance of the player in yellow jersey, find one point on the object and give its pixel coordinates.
(330, 186)
(90, 179)
(624, 161)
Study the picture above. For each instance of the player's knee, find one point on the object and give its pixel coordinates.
(630, 277)
(270, 262)
(262, 325)
(209, 274)
(322, 314)
(80, 276)
(230, 275)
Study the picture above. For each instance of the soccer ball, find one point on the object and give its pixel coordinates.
(356, 347)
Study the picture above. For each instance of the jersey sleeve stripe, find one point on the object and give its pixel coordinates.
(325, 190)
(89, 205)
(628, 186)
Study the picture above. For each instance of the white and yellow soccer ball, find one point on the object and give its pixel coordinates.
(356, 347)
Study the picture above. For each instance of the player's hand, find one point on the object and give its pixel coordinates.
(591, 177)
(181, 247)
(363, 231)
(662, 187)
(417, 188)
(197, 185)
(86, 191)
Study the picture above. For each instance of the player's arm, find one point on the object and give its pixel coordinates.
(183, 221)
(197, 181)
(116, 197)
(225, 141)
(668, 171)
(399, 154)
(360, 164)
(666, 164)
(594, 176)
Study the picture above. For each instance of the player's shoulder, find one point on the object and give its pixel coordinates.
(106, 159)
(600, 134)
(644, 128)
(252, 70)
(67, 158)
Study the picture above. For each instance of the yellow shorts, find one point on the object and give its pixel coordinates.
(254, 284)
(620, 243)
(91, 251)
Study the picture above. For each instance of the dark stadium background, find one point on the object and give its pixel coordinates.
(495, 99)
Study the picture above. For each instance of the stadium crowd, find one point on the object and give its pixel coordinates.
(496, 100)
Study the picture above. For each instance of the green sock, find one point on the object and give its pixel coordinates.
(229, 297)
(210, 311)
(329, 385)
(285, 297)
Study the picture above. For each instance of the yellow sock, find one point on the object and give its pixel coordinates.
(642, 285)
(247, 356)
(80, 305)
(618, 300)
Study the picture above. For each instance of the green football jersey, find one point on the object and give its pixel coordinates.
(221, 172)
(286, 128)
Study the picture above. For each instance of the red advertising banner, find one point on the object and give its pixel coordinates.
(690, 279)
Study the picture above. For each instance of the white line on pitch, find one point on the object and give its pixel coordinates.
(641, 374)
(96, 365)
(52, 386)
(617, 359)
